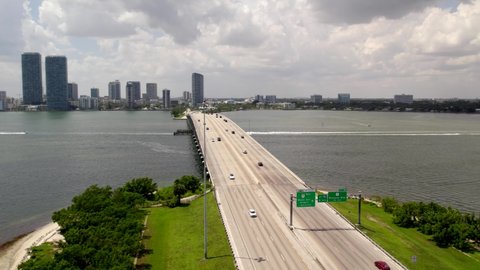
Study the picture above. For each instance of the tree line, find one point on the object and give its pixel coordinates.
(447, 226)
(102, 228)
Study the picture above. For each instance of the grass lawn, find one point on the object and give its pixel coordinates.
(404, 243)
(174, 238)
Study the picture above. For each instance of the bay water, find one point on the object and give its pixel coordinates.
(46, 158)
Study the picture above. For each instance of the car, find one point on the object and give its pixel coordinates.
(244, 151)
(242, 137)
(252, 213)
(219, 139)
(231, 176)
(208, 128)
(226, 130)
(382, 265)
(233, 131)
(260, 164)
(213, 140)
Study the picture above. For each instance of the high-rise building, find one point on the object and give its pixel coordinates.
(57, 82)
(197, 89)
(259, 98)
(406, 99)
(152, 91)
(84, 102)
(187, 96)
(344, 98)
(270, 99)
(72, 92)
(130, 94)
(166, 98)
(94, 92)
(137, 94)
(114, 90)
(3, 100)
(32, 78)
(316, 99)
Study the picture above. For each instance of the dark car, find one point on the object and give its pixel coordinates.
(260, 163)
(382, 265)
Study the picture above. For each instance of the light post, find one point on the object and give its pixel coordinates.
(204, 184)
(359, 208)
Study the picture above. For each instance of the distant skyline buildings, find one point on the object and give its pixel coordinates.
(130, 90)
(197, 89)
(32, 86)
(166, 98)
(94, 92)
(56, 74)
(72, 93)
(344, 98)
(152, 92)
(114, 90)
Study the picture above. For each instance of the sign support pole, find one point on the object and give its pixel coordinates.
(291, 210)
(359, 208)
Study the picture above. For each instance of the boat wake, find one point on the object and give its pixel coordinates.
(13, 133)
(363, 133)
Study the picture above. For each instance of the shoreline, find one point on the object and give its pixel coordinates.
(14, 252)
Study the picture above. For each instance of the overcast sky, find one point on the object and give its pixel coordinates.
(290, 48)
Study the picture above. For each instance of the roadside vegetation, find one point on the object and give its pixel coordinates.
(103, 229)
(408, 244)
(174, 238)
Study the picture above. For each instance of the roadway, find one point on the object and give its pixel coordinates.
(320, 238)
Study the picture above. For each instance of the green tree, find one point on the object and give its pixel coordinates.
(143, 186)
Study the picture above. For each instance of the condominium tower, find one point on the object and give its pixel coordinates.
(166, 98)
(57, 82)
(32, 78)
(114, 90)
(197, 89)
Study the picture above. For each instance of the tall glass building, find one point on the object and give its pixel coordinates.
(114, 90)
(57, 83)
(32, 78)
(197, 89)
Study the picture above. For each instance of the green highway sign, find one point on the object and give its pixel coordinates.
(305, 198)
(337, 196)
(322, 198)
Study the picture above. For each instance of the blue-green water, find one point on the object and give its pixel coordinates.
(412, 156)
(65, 152)
(430, 157)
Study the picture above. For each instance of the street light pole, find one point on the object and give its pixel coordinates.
(204, 184)
(359, 208)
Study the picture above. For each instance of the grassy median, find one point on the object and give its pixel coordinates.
(174, 238)
(404, 243)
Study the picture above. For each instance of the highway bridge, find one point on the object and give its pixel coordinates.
(320, 237)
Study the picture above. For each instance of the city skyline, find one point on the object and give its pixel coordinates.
(290, 49)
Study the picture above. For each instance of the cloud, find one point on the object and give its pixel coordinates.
(10, 26)
(252, 47)
(364, 11)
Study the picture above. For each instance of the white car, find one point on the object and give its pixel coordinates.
(231, 176)
(252, 213)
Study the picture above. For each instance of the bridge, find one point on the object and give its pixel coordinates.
(319, 239)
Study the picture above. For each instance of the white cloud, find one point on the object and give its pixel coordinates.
(253, 47)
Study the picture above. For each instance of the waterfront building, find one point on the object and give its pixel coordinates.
(316, 99)
(405, 99)
(32, 78)
(344, 98)
(187, 96)
(114, 90)
(94, 92)
(3, 100)
(84, 102)
(72, 91)
(259, 98)
(166, 98)
(197, 89)
(137, 93)
(152, 91)
(130, 94)
(57, 82)
(94, 103)
(270, 99)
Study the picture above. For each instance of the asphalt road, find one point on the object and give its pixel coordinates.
(320, 238)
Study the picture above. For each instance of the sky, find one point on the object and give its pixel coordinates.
(288, 48)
